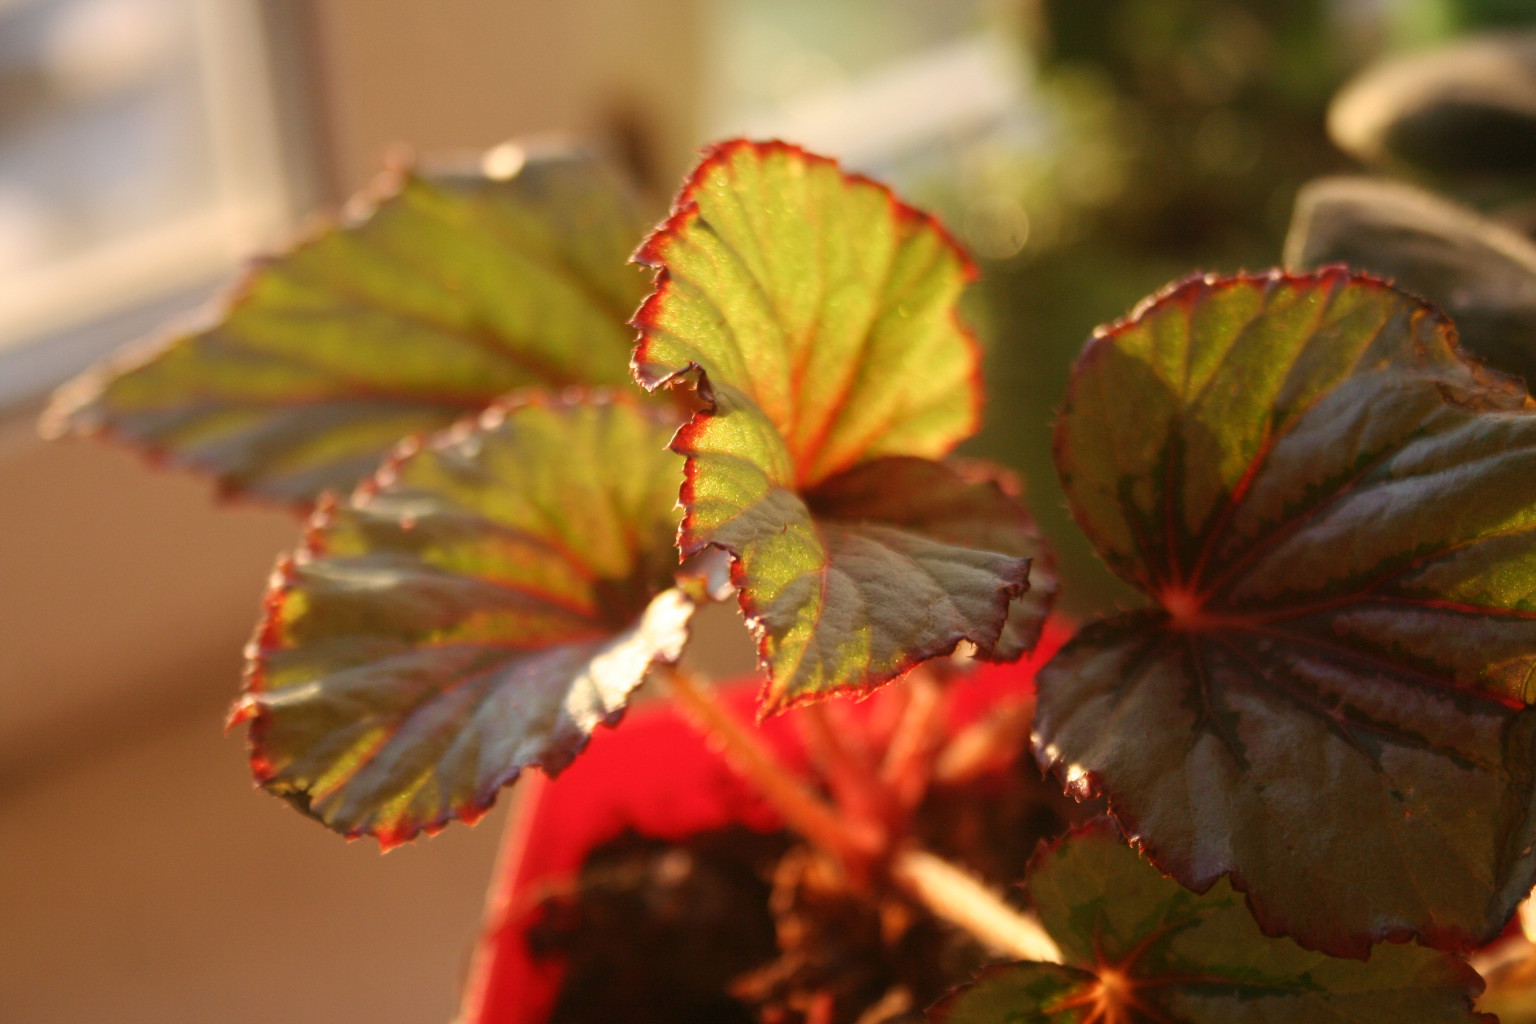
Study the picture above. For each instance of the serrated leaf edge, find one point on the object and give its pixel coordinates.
(693, 377)
(248, 708)
(685, 209)
(69, 413)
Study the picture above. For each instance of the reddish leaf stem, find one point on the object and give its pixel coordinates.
(802, 810)
(987, 743)
(949, 892)
(909, 759)
(851, 773)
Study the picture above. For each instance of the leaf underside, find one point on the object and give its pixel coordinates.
(1337, 515)
(814, 315)
(443, 295)
(480, 608)
(827, 303)
(1140, 948)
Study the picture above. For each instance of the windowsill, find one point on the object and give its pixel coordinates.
(31, 369)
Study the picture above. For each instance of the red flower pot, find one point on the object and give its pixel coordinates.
(657, 775)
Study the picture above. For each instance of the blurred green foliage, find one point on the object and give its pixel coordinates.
(1177, 133)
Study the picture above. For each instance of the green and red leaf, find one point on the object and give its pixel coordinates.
(882, 567)
(1336, 513)
(1480, 272)
(821, 298)
(814, 315)
(432, 299)
(1138, 947)
(480, 607)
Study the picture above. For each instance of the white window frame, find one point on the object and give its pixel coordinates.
(59, 317)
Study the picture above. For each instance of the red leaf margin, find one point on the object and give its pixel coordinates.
(974, 472)
(55, 422)
(685, 210)
(247, 710)
(1088, 784)
(1106, 827)
(1195, 287)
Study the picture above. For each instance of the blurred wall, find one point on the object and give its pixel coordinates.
(144, 880)
(456, 74)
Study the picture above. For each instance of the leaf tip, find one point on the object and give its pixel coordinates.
(245, 708)
(263, 771)
(66, 413)
(390, 837)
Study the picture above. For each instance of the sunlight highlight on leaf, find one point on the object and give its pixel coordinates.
(1141, 948)
(480, 608)
(428, 302)
(814, 316)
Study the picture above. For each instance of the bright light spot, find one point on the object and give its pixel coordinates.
(996, 227)
(503, 162)
(104, 46)
(1528, 920)
(1113, 996)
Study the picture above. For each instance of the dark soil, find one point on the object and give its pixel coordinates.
(736, 926)
(655, 931)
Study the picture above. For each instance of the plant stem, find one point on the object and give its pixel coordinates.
(854, 780)
(909, 760)
(959, 898)
(985, 743)
(801, 809)
(951, 893)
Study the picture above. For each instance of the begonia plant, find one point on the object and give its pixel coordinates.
(1313, 742)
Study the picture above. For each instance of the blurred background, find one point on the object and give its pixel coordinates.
(1088, 151)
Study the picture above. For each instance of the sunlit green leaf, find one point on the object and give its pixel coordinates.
(480, 608)
(814, 315)
(827, 303)
(1138, 947)
(1337, 518)
(435, 298)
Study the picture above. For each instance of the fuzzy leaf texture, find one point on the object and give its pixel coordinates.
(479, 608)
(433, 298)
(814, 315)
(1138, 947)
(1336, 515)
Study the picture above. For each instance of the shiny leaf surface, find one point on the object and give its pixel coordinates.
(814, 315)
(1336, 515)
(1141, 948)
(430, 301)
(478, 609)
